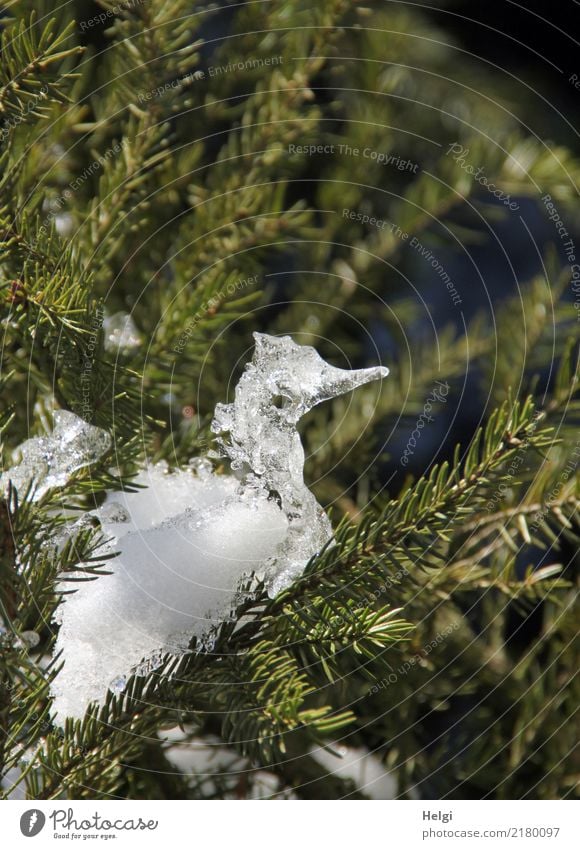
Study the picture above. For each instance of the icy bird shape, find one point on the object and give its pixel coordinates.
(283, 382)
(187, 541)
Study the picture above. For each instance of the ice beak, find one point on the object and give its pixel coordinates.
(337, 381)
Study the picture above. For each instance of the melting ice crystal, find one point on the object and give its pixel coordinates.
(47, 462)
(283, 382)
(187, 541)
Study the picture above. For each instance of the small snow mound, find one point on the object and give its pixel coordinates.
(176, 577)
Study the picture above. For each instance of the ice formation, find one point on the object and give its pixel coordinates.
(186, 542)
(121, 334)
(49, 461)
(284, 381)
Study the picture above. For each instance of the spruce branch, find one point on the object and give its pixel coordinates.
(407, 530)
(34, 70)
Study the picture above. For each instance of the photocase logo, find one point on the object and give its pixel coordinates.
(32, 822)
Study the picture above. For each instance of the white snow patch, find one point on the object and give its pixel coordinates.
(209, 763)
(176, 577)
(10, 778)
(361, 766)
